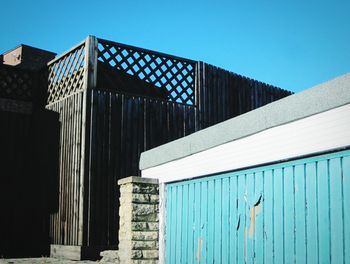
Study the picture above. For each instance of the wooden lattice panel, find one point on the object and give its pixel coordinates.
(66, 75)
(15, 84)
(173, 73)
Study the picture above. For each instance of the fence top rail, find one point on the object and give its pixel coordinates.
(246, 78)
(175, 75)
(146, 50)
(143, 97)
(318, 99)
(67, 52)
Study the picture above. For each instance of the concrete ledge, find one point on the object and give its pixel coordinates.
(137, 179)
(76, 252)
(320, 98)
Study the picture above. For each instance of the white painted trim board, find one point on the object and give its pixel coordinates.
(314, 134)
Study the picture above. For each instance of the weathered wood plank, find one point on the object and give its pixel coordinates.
(223, 94)
(65, 220)
(104, 130)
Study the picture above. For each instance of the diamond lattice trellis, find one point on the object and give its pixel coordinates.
(173, 73)
(66, 75)
(15, 84)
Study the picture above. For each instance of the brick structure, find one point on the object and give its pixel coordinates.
(138, 231)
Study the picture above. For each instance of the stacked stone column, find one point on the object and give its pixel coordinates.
(138, 224)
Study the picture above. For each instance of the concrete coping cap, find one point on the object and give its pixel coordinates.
(137, 179)
(318, 99)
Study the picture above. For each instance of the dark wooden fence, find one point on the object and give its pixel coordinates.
(16, 89)
(222, 94)
(116, 101)
(28, 164)
(123, 126)
(22, 90)
(67, 96)
(65, 222)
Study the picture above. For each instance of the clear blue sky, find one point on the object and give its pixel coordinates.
(291, 44)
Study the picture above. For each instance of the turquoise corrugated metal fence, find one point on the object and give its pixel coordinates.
(292, 212)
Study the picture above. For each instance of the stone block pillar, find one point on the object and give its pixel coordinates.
(138, 224)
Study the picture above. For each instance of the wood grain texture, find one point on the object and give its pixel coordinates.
(116, 101)
(66, 224)
(222, 94)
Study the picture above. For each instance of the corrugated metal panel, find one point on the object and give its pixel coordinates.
(292, 212)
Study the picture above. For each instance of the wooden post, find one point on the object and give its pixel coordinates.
(90, 79)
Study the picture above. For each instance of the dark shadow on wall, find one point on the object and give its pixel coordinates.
(29, 147)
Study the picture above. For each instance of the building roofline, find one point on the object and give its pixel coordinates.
(320, 98)
(28, 46)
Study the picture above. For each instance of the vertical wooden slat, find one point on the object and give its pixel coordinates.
(84, 139)
(111, 177)
(72, 170)
(56, 216)
(76, 146)
(141, 128)
(223, 94)
(64, 222)
(72, 173)
(73, 185)
(110, 174)
(65, 201)
(77, 167)
(91, 167)
(68, 174)
(134, 132)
